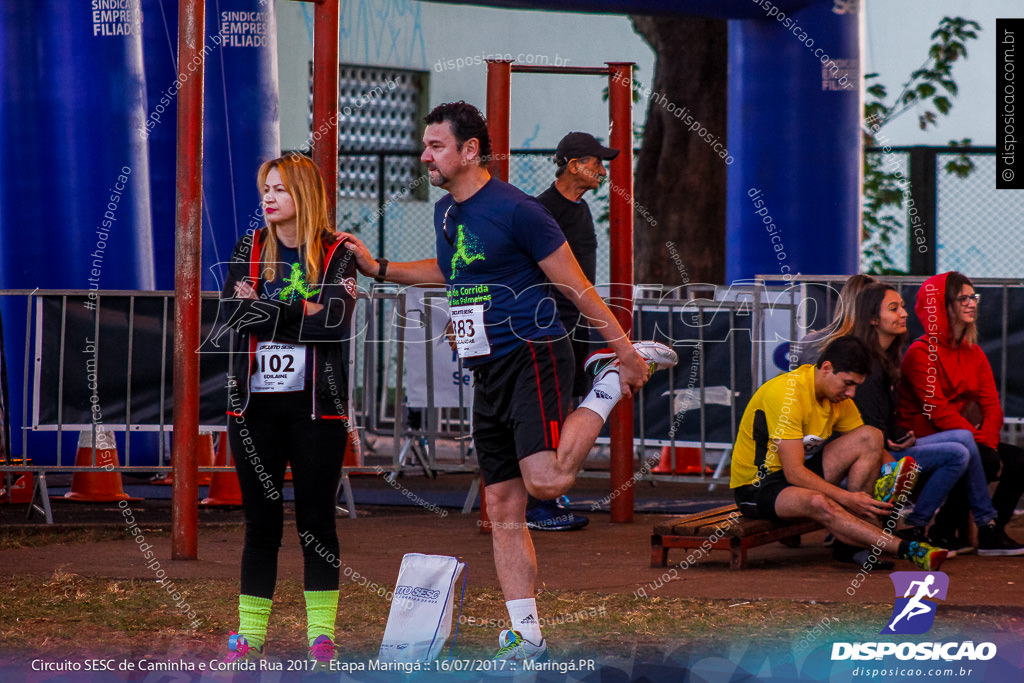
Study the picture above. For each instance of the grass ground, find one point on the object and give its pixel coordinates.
(49, 611)
(67, 613)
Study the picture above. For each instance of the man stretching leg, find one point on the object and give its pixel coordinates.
(496, 249)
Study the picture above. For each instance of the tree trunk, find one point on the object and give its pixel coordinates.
(680, 178)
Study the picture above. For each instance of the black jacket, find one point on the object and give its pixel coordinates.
(876, 400)
(326, 334)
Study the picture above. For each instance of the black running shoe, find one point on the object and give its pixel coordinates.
(949, 541)
(993, 542)
(548, 516)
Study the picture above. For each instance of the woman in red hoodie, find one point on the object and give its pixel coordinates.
(947, 383)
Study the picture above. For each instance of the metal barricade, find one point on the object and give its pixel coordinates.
(697, 404)
(998, 322)
(99, 361)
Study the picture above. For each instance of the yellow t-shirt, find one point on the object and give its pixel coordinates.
(785, 408)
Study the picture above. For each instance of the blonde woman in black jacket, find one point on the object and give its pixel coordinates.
(289, 295)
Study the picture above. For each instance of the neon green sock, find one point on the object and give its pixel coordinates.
(321, 613)
(253, 616)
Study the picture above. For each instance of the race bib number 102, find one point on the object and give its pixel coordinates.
(279, 367)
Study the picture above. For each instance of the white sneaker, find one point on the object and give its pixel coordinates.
(658, 356)
(514, 647)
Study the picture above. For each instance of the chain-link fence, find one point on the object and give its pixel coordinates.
(978, 224)
(396, 219)
(971, 224)
(972, 228)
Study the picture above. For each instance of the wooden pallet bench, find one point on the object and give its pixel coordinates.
(724, 528)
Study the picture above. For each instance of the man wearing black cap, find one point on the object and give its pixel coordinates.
(580, 161)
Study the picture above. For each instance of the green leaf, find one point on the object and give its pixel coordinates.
(943, 105)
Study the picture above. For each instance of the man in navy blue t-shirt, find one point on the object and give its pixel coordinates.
(497, 248)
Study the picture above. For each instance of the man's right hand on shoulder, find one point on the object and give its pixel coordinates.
(365, 263)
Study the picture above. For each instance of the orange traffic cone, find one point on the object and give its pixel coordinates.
(224, 489)
(354, 452)
(21, 486)
(688, 461)
(204, 458)
(97, 487)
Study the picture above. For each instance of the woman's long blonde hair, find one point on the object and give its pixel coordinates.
(302, 180)
(846, 309)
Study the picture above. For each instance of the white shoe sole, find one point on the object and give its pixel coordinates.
(660, 356)
(657, 355)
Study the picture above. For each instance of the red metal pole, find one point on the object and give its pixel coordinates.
(499, 119)
(188, 260)
(325, 98)
(499, 114)
(620, 209)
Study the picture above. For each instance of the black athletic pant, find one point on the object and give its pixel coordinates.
(277, 430)
(952, 516)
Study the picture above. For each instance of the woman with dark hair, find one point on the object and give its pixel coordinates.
(947, 384)
(943, 457)
(289, 295)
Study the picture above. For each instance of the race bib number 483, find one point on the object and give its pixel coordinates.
(279, 367)
(470, 333)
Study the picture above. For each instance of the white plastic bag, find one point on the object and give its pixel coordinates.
(421, 611)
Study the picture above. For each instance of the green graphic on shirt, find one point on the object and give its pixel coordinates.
(467, 250)
(297, 284)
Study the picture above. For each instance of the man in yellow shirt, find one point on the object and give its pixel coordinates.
(785, 467)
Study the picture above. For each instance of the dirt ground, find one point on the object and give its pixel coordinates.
(605, 557)
(608, 561)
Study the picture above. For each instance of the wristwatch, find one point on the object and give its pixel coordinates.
(382, 269)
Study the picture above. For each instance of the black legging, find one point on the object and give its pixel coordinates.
(277, 430)
(952, 516)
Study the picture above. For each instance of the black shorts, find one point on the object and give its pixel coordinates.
(519, 404)
(758, 501)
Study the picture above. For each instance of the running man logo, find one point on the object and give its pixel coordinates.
(467, 250)
(297, 284)
(917, 594)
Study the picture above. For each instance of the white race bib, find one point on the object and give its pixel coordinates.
(279, 367)
(470, 333)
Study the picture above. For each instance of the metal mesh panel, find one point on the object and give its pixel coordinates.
(407, 208)
(378, 110)
(978, 225)
(896, 250)
(975, 222)
(406, 212)
(533, 171)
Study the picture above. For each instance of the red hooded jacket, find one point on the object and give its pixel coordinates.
(939, 379)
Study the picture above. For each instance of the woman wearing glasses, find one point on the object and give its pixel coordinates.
(947, 383)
